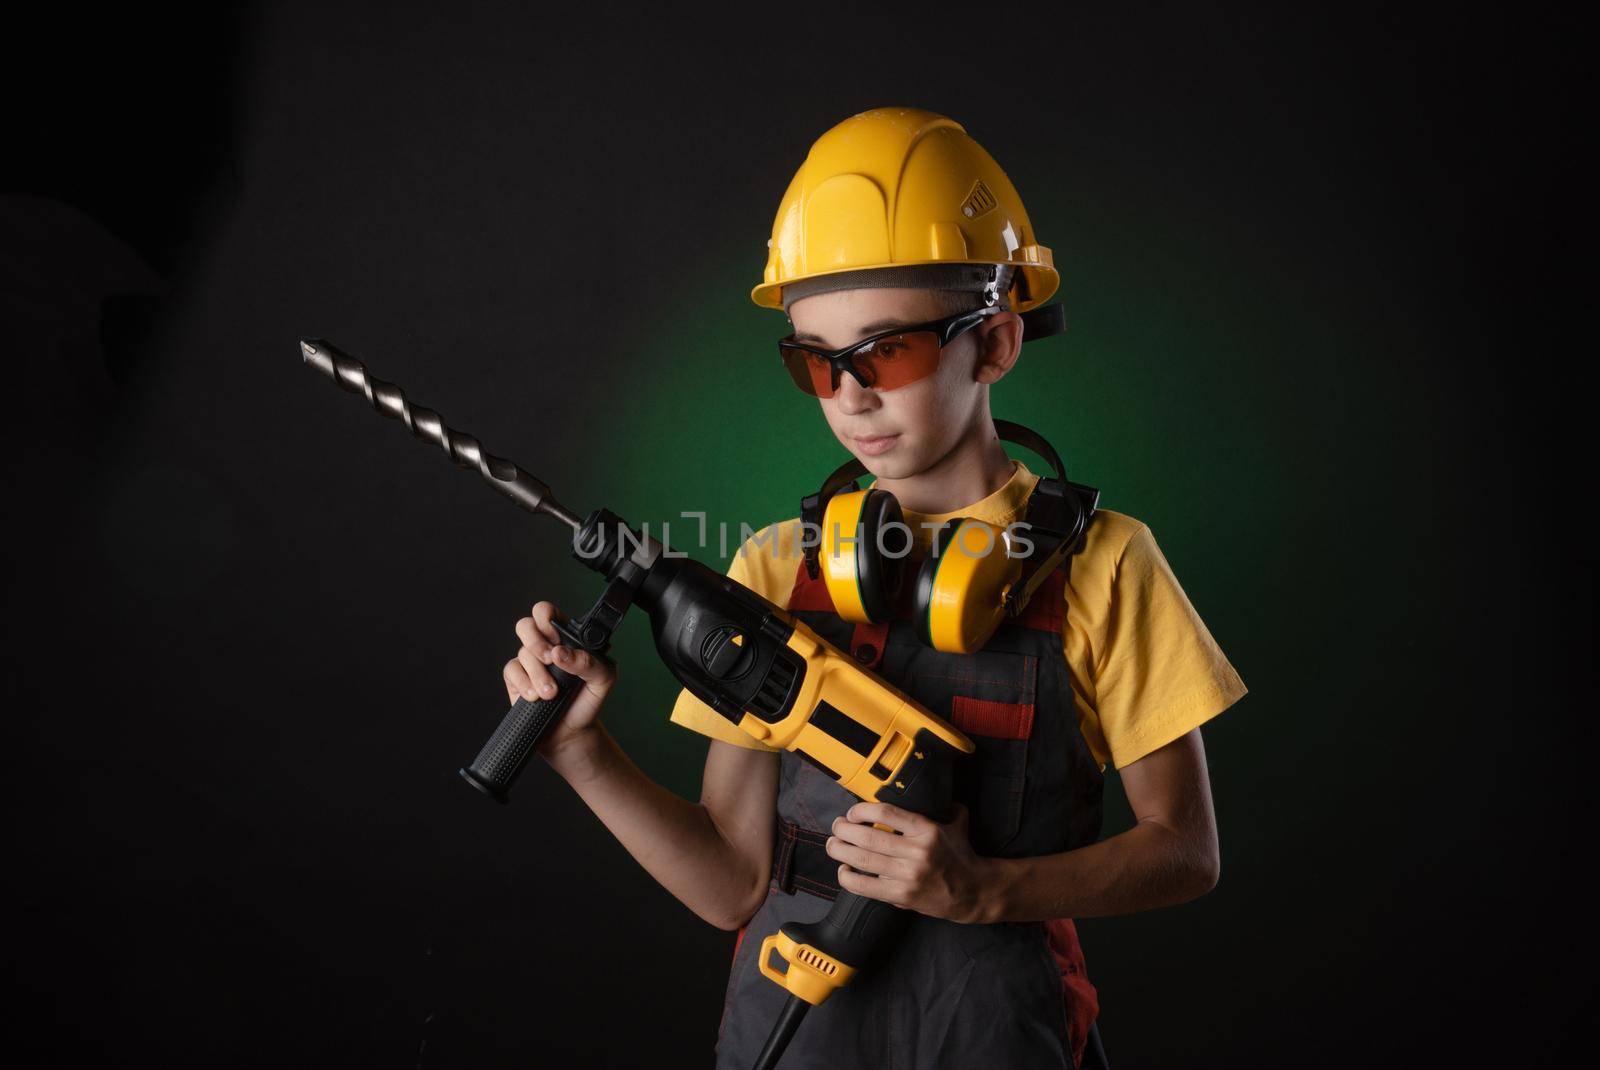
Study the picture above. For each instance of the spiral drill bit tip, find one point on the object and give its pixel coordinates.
(504, 476)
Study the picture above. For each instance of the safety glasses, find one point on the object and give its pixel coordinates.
(885, 361)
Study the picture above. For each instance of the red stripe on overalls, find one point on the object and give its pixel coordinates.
(1045, 611)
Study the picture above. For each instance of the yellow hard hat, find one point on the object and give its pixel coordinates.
(893, 187)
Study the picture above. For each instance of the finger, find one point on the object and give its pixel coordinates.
(902, 821)
(866, 861)
(582, 663)
(544, 613)
(517, 682)
(533, 639)
(538, 673)
(875, 840)
(891, 892)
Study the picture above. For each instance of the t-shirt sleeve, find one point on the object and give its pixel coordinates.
(1160, 673)
(690, 712)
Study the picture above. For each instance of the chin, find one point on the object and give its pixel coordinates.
(896, 464)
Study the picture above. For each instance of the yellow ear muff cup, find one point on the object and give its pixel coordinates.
(961, 586)
(840, 522)
(863, 579)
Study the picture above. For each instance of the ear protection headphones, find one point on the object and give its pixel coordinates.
(976, 573)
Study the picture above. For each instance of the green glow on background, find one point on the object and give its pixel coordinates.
(1172, 406)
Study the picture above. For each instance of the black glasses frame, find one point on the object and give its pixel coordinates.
(948, 329)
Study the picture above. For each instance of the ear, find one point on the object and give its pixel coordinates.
(999, 345)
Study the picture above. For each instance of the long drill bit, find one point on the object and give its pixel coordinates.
(467, 452)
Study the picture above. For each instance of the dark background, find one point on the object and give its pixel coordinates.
(251, 632)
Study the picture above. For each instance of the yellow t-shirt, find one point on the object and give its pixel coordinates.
(1143, 666)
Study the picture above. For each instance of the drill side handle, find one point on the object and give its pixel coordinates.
(502, 759)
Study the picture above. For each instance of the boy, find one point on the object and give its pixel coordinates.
(898, 219)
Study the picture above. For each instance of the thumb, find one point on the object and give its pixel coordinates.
(597, 673)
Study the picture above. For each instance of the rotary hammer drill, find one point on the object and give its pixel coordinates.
(747, 659)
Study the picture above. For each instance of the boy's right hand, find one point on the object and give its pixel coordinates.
(528, 676)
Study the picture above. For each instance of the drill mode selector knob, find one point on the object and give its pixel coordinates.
(727, 653)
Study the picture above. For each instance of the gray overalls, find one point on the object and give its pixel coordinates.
(948, 996)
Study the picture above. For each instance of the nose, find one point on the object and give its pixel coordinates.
(853, 398)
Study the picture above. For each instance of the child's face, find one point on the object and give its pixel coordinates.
(903, 432)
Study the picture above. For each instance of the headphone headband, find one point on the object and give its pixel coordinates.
(1060, 508)
(1022, 436)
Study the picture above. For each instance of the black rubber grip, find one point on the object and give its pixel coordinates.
(502, 759)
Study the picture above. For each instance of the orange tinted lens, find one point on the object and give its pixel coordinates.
(893, 362)
(810, 372)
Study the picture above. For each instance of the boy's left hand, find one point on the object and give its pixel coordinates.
(929, 867)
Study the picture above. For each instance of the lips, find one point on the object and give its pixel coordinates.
(872, 445)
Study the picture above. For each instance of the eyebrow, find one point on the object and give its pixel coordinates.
(866, 332)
